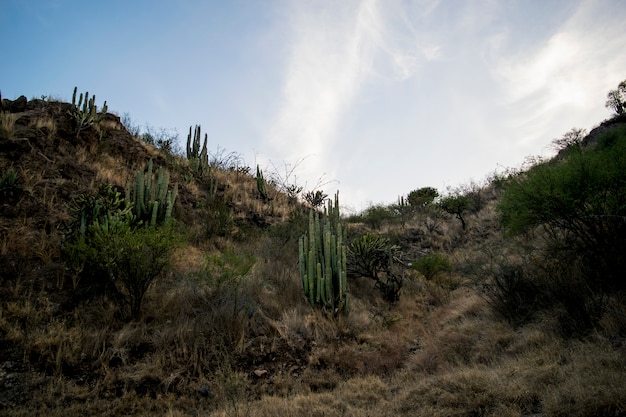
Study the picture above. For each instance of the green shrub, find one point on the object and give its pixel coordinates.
(113, 254)
(432, 265)
(376, 215)
(577, 205)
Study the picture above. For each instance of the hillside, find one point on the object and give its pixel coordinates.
(222, 326)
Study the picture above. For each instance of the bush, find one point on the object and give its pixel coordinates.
(111, 253)
(376, 215)
(432, 265)
(577, 204)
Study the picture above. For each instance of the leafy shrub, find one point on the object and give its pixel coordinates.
(432, 265)
(111, 253)
(376, 215)
(577, 204)
(422, 196)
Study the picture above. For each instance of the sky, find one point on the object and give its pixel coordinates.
(371, 98)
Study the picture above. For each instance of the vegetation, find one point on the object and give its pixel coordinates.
(323, 260)
(85, 112)
(203, 309)
(576, 206)
(616, 99)
(372, 256)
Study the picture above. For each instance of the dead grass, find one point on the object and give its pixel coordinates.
(7, 125)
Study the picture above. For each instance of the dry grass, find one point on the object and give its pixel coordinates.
(7, 125)
(215, 341)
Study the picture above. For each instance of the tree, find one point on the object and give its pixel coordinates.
(422, 196)
(458, 205)
(616, 99)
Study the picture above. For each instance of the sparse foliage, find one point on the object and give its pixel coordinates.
(315, 198)
(616, 99)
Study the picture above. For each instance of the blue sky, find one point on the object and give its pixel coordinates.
(373, 97)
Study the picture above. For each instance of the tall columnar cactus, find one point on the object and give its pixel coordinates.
(323, 259)
(199, 159)
(153, 201)
(85, 112)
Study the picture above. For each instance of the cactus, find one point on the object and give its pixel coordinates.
(85, 112)
(323, 260)
(260, 184)
(199, 159)
(153, 201)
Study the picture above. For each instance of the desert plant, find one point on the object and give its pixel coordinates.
(323, 260)
(432, 265)
(315, 198)
(260, 185)
(198, 159)
(372, 256)
(152, 201)
(85, 112)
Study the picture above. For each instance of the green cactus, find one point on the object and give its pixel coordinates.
(198, 159)
(152, 200)
(323, 260)
(85, 112)
(260, 185)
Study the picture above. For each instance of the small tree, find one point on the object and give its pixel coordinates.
(422, 196)
(616, 99)
(456, 205)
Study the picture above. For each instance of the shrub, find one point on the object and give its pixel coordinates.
(577, 204)
(111, 253)
(376, 215)
(372, 256)
(432, 265)
(513, 293)
(422, 196)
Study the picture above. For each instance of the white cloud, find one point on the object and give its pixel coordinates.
(566, 76)
(336, 48)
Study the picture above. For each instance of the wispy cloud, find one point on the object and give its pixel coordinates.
(563, 71)
(336, 48)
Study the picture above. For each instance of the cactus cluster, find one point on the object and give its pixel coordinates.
(152, 201)
(198, 159)
(323, 259)
(85, 112)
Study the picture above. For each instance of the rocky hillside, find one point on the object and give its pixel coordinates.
(445, 317)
